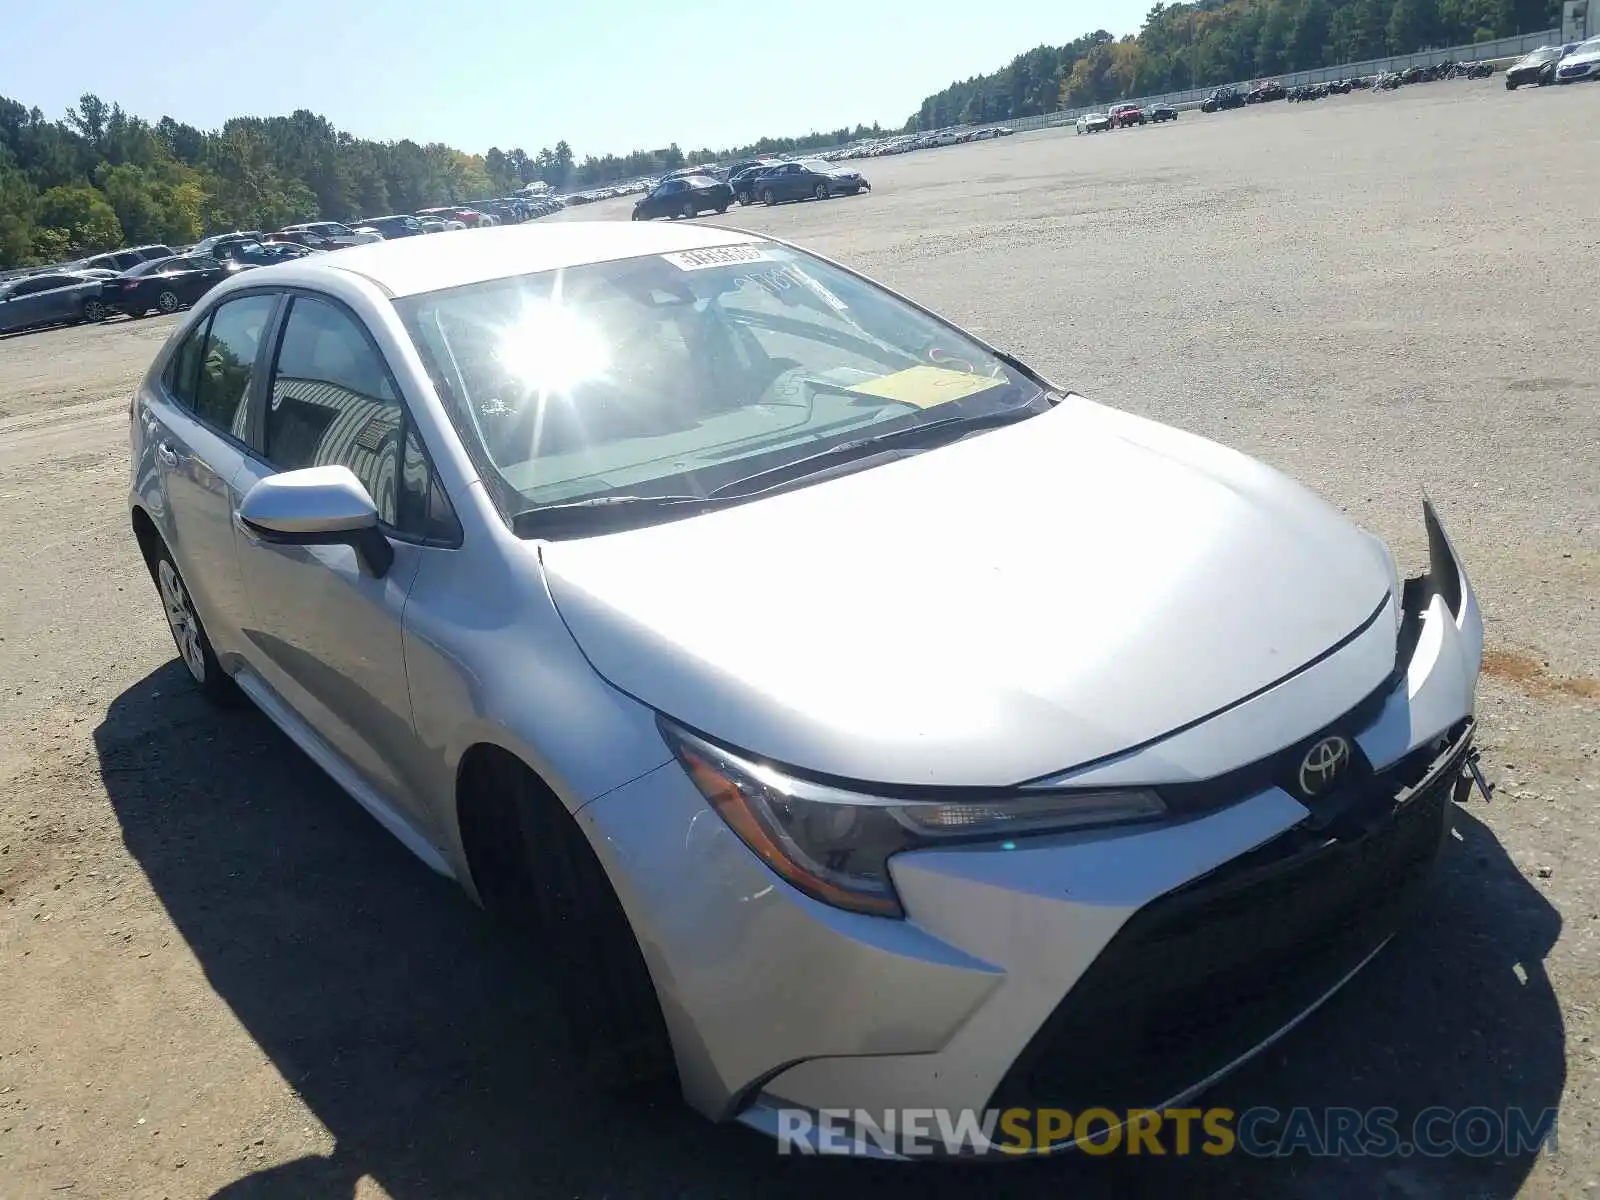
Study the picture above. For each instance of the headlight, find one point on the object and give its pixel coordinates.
(834, 844)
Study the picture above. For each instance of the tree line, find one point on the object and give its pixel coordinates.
(102, 177)
(1212, 42)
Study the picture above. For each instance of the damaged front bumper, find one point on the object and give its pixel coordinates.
(1061, 970)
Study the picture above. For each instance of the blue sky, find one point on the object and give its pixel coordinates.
(607, 75)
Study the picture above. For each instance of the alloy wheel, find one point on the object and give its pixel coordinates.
(167, 302)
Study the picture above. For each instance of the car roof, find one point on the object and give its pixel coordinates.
(409, 266)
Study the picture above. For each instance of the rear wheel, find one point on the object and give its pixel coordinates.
(168, 301)
(689, 211)
(95, 309)
(539, 872)
(188, 633)
(767, 197)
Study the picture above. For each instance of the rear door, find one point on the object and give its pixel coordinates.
(199, 425)
(49, 298)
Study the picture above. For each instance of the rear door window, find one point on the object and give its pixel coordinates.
(228, 363)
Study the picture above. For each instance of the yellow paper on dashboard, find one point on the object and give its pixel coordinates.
(927, 386)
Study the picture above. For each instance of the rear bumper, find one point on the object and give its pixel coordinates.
(1119, 968)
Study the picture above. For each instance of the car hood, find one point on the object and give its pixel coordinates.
(1575, 58)
(1001, 609)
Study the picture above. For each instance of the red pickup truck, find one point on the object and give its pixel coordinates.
(1127, 114)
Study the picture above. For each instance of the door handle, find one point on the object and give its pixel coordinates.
(167, 454)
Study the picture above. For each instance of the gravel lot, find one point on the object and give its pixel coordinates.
(218, 976)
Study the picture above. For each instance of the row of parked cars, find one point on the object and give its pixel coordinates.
(1575, 62)
(693, 190)
(1124, 115)
(866, 148)
(138, 280)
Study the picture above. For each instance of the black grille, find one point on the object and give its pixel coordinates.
(1204, 974)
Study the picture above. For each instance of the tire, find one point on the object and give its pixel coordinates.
(722, 209)
(189, 633)
(1511, 86)
(821, 192)
(768, 198)
(689, 212)
(547, 883)
(168, 301)
(95, 310)
(636, 215)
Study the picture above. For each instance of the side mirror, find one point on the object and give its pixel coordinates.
(318, 506)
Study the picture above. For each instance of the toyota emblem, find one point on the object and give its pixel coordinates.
(1322, 766)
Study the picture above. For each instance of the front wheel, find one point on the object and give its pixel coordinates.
(689, 211)
(768, 198)
(95, 310)
(636, 215)
(542, 876)
(1511, 85)
(821, 192)
(721, 208)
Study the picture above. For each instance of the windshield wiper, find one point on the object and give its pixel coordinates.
(866, 447)
(534, 522)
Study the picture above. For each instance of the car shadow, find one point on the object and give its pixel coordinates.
(422, 1039)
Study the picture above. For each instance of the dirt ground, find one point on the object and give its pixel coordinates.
(218, 976)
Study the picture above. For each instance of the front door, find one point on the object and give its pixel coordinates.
(323, 632)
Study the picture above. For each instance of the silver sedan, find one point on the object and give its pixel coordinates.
(860, 720)
(50, 298)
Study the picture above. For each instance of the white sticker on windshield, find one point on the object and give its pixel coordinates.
(715, 256)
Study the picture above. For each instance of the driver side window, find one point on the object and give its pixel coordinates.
(333, 402)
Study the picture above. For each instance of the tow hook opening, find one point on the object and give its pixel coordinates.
(1472, 776)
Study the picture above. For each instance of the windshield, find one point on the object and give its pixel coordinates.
(679, 374)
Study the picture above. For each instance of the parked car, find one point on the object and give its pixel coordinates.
(298, 237)
(1161, 112)
(49, 298)
(334, 234)
(1537, 66)
(1124, 115)
(166, 284)
(743, 181)
(1266, 92)
(118, 261)
(398, 225)
(445, 536)
(217, 244)
(1582, 62)
(1221, 99)
(683, 196)
(1095, 122)
(807, 179)
(470, 217)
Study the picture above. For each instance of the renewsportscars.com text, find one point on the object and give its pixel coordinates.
(1477, 1132)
